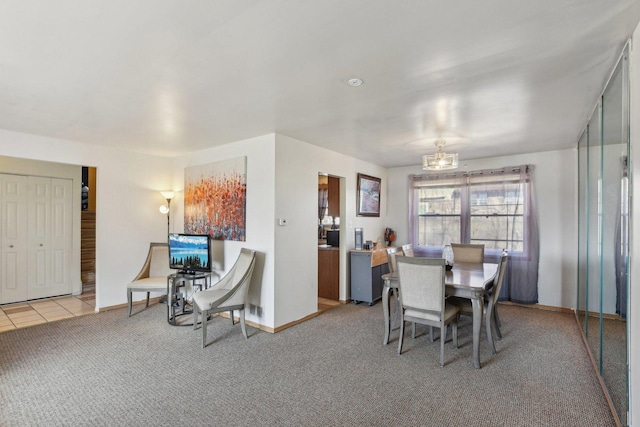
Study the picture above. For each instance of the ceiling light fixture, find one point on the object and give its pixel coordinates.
(440, 160)
(355, 82)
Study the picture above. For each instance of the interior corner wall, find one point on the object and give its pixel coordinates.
(297, 165)
(260, 222)
(555, 188)
(127, 217)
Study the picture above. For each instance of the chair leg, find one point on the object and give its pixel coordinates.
(431, 333)
(497, 322)
(148, 298)
(413, 333)
(401, 338)
(454, 332)
(443, 336)
(129, 303)
(243, 326)
(489, 319)
(204, 327)
(233, 319)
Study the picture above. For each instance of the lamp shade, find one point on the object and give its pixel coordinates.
(167, 194)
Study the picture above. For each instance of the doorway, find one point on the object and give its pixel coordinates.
(328, 241)
(88, 231)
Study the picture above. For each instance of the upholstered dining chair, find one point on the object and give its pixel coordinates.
(407, 250)
(228, 294)
(422, 298)
(153, 275)
(467, 253)
(392, 252)
(491, 319)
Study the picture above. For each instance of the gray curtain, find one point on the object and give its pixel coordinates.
(521, 278)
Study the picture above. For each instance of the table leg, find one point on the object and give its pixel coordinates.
(386, 289)
(477, 325)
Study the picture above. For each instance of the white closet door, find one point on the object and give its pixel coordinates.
(61, 233)
(38, 237)
(13, 238)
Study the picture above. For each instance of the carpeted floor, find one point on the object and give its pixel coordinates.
(110, 370)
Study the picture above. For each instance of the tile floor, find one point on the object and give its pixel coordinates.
(23, 314)
(20, 315)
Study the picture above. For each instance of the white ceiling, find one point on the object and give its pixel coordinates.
(493, 77)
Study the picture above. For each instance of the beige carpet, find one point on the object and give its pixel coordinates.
(111, 370)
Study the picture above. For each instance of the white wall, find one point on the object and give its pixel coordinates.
(556, 190)
(127, 216)
(297, 166)
(633, 318)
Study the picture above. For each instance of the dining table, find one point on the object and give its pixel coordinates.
(464, 280)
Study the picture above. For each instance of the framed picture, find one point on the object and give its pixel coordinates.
(368, 196)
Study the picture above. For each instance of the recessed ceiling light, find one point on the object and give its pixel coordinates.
(355, 82)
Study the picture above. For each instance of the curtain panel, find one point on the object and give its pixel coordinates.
(494, 207)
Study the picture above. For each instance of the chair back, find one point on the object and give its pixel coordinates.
(241, 274)
(407, 250)
(421, 286)
(392, 252)
(497, 282)
(467, 253)
(157, 262)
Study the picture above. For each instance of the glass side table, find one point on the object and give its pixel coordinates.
(178, 300)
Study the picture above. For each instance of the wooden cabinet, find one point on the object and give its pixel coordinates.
(329, 273)
(333, 196)
(367, 267)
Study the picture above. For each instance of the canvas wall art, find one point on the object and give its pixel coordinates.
(215, 199)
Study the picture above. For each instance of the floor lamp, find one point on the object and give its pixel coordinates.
(166, 209)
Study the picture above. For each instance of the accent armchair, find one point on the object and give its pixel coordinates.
(153, 275)
(228, 294)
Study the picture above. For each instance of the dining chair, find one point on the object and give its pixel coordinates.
(467, 252)
(407, 250)
(392, 253)
(228, 294)
(491, 319)
(422, 298)
(153, 274)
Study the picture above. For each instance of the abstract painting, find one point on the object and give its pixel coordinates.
(215, 199)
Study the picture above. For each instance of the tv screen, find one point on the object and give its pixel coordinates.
(189, 253)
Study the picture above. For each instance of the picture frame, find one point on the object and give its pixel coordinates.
(368, 195)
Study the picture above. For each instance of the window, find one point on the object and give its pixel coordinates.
(483, 207)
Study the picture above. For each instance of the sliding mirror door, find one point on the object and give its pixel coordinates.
(603, 202)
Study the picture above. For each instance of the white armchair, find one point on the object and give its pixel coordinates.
(229, 294)
(153, 275)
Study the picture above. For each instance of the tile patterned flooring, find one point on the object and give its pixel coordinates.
(23, 314)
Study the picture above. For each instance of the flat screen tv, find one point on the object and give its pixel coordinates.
(189, 253)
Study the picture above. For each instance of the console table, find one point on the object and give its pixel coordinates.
(201, 280)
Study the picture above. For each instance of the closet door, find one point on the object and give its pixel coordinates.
(13, 238)
(60, 237)
(49, 237)
(38, 238)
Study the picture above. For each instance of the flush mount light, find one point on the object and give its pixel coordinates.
(355, 82)
(440, 160)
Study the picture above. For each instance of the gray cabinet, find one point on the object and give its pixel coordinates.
(367, 267)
